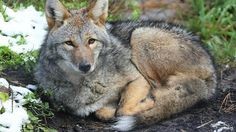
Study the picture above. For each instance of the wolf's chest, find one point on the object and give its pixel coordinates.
(101, 86)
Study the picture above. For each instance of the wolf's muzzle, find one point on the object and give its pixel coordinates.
(84, 67)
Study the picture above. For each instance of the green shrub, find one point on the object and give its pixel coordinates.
(215, 22)
(38, 112)
(12, 60)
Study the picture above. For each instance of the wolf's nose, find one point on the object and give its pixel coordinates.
(85, 67)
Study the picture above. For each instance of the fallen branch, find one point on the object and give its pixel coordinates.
(227, 105)
(204, 124)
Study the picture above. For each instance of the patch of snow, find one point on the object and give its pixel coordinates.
(19, 93)
(7, 40)
(28, 23)
(221, 126)
(4, 82)
(12, 121)
(9, 12)
(31, 87)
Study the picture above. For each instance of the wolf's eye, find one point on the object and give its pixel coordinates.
(69, 43)
(91, 41)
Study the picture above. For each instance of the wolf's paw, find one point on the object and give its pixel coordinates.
(129, 110)
(105, 113)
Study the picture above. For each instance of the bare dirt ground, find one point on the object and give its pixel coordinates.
(200, 118)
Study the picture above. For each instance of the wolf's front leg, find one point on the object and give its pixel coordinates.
(107, 112)
(135, 98)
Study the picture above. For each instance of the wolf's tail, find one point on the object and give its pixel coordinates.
(125, 123)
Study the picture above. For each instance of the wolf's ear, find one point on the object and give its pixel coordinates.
(98, 11)
(56, 13)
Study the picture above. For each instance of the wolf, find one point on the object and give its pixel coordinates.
(132, 71)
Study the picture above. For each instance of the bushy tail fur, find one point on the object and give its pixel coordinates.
(124, 123)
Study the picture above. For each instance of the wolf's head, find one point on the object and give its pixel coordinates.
(76, 37)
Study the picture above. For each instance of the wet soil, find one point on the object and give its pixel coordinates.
(222, 107)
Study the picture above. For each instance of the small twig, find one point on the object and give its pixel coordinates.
(221, 77)
(230, 108)
(14, 82)
(12, 95)
(45, 120)
(2, 73)
(204, 124)
(12, 98)
(224, 102)
(227, 104)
